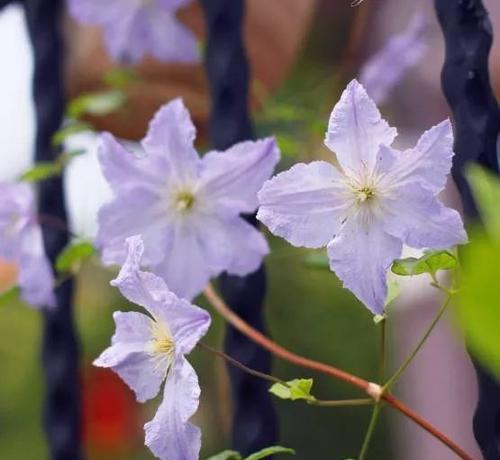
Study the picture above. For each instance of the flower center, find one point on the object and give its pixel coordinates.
(162, 343)
(365, 194)
(185, 201)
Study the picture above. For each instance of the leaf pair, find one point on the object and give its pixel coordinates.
(264, 453)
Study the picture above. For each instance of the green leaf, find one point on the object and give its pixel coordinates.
(430, 262)
(101, 103)
(227, 455)
(295, 389)
(71, 128)
(486, 190)
(393, 291)
(73, 256)
(119, 78)
(10, 295)
(41, 171)
(478, 306)
(318, 260)
(268, 451)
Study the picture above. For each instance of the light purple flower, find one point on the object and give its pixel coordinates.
(135, 28)
(148, 350)
(187, 209)
(376, 200)
(21, 242)
(388, 66)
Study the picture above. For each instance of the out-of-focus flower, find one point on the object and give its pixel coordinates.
(388, 66)
(135, 28)
(187, 209)
(378, 198)
(148, 350)
(21, 242)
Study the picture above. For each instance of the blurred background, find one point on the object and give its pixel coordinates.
(302, 53)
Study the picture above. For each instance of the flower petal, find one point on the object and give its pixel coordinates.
(170, 138)
(186, 322)
(388, 66)
(134, 212)
(129, 357)
(420, 220)
(142, 288)
(232, 178)
(169, 435)
(429, 161)
(360, 255)
(125, 170)
(36, 278)
(356, 130)
(305, 205)
(184, 266)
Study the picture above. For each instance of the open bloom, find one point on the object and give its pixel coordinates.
(148, 350)
(388, 66)
(376, 200)
(21, 242)
(187, 209)
(135, 28)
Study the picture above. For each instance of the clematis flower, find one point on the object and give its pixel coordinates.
(187, 209)
(149, 349)
(135, 28)
(21, 242)
(388, 66)
(375, 201)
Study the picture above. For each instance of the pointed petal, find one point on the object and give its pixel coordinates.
(169, 435)
(360, 255)
(389, 65)
(420, 220)
(233, 178)
(125, 170)
(356, 130)
(429, 161)
(132, 213)
(129, 357)
(305, 205)
(142, 288)
(170, 138)
(186, 322)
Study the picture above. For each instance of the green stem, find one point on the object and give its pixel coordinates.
(382, 350)
(370, 431)
(388, 385)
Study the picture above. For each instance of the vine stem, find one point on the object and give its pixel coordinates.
(232, 318)
(389, 384)
(273, 379)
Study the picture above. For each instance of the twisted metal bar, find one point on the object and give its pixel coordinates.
(465, 79)
(254, 419)
(59, 343)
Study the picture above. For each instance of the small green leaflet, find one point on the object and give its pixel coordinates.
(264, 453)
(430, 262)
(119, 78)
(69, 129)
(41, 171)
(227, 455)
(100, 103)
(73, 256)
(268, 451)
(294, 389)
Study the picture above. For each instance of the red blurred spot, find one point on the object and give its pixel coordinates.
(111, 423)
